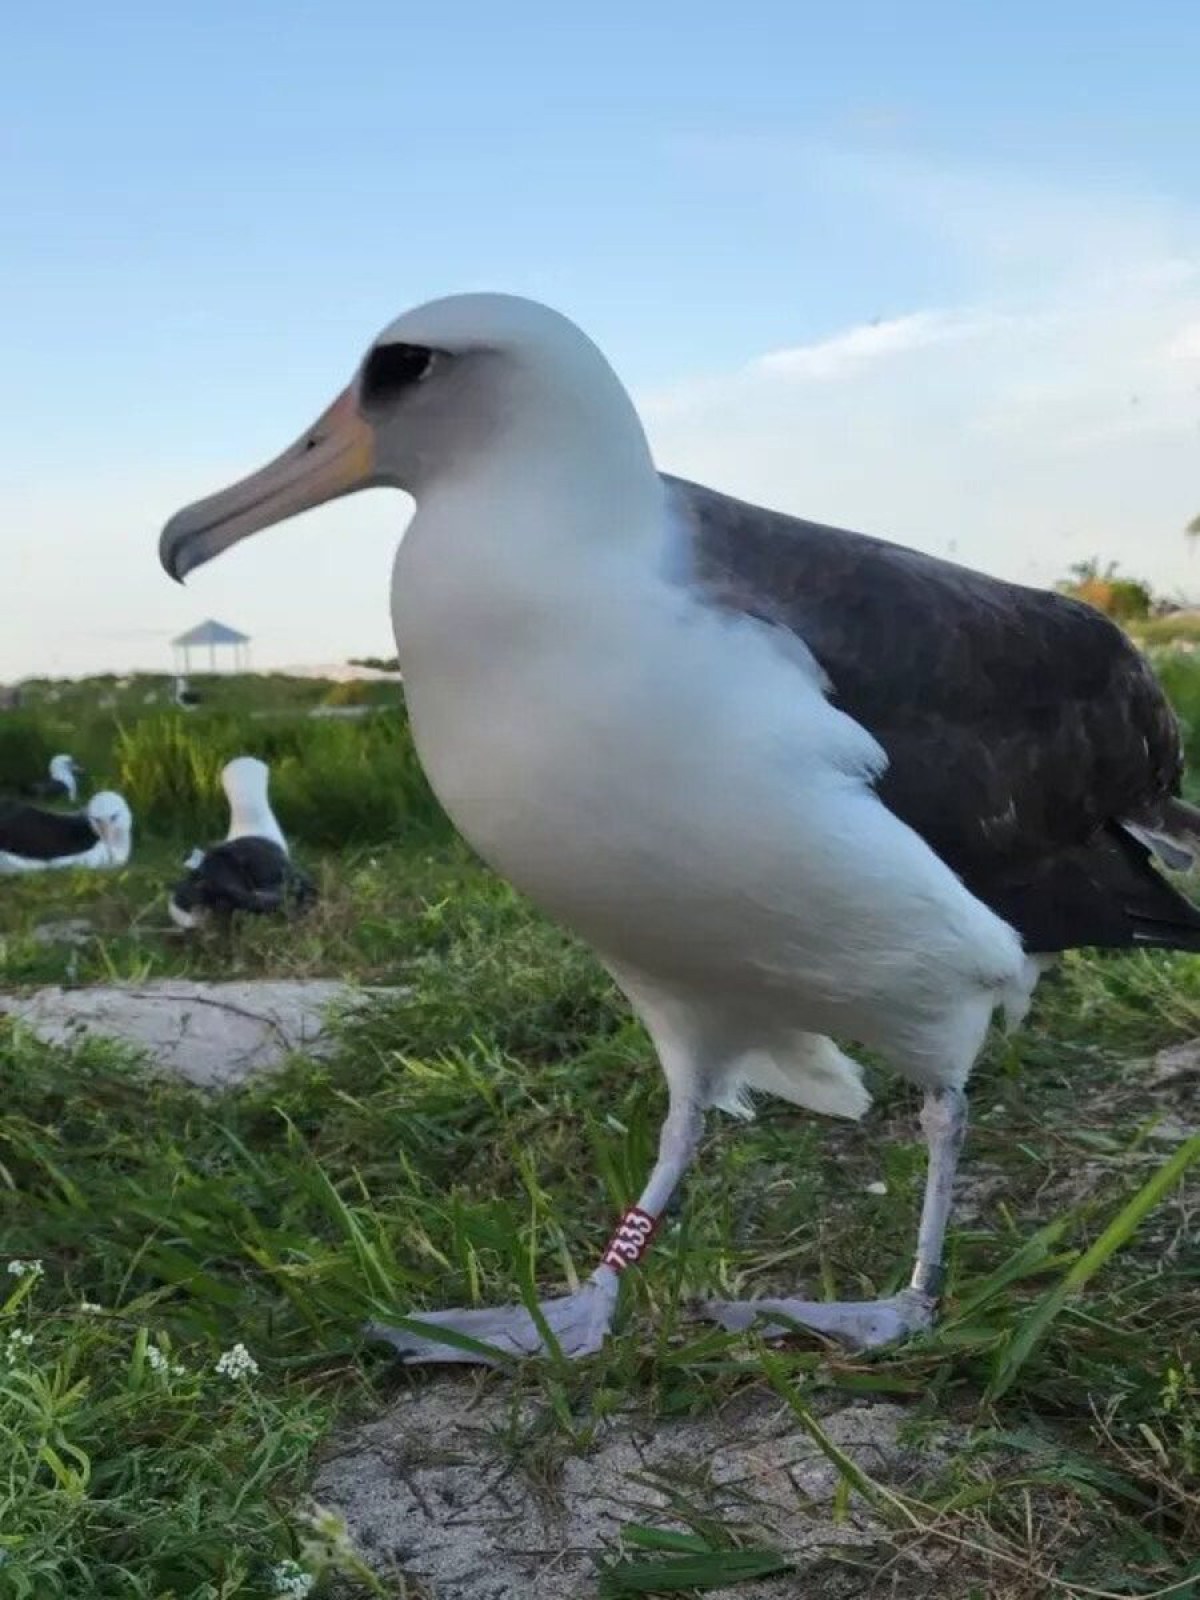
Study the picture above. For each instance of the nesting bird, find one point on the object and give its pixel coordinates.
(252, 870)
(34, 840)
(61, 781)
(184, 696)
(791, 783)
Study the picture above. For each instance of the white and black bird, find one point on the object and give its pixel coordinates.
(253, 869)
(61, 781)
(33, 840)
(184, 695)
(792, 784)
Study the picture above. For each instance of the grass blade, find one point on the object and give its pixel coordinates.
(888, 1505)
(1118, 1233)
(687, 1574)
(639, 1536)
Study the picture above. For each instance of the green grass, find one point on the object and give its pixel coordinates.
(478, 1133)
(1176, 628)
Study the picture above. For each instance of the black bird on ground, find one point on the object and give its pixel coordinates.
(252, 870)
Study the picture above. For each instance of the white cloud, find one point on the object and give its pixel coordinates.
(848, 352)
(1185, 346)
(1015, 434)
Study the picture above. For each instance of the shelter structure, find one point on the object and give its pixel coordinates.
(211, 637)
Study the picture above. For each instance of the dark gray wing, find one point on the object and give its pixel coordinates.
(46, 789)
(248, 874)
(37, 835)
(1021, 727)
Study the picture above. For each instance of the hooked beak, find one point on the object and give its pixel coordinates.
(334, 457)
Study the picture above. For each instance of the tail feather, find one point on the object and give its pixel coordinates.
(1172, 834)
(1103, 895)
(1174, 855)
(1160, 916)
(1182, 821)
(807, 1069)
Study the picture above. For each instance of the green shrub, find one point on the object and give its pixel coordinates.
(1176, 627)
(356, 781)
(1180, 676)
(332, 781)
(352, 692)
(26, 746)
(169, 770)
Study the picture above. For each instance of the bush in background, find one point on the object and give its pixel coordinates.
(351, 692)
(26, 746)
(1122, 599)
(332, 782)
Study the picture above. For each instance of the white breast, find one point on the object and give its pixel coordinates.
(678, 790)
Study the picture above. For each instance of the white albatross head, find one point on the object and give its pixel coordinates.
(66, 770)
(245, 780)
(475, 385)
(113, 821)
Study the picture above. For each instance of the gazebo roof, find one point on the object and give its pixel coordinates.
(210, 633)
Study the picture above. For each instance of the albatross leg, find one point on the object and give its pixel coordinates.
(944, 1124)
(579, 1322)
(867, 1323)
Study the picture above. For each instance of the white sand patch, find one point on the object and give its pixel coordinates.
(211, 1034)
(450, 1492)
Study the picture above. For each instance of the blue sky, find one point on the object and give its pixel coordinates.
(924, 271)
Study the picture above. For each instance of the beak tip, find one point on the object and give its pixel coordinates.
(171, 553)
(331, 459)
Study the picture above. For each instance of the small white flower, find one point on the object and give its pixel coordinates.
(26, 1269)
(331, 1542)
(19, 1339)
(90, 1308)
(878, 1187)
(237, 1363)
(161, 1363)
(291, 1579)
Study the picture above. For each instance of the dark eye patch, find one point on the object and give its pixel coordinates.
(392, 367)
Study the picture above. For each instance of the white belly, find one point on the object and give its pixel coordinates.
(684, 798)
(97, 856)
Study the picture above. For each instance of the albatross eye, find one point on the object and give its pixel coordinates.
(391, 368)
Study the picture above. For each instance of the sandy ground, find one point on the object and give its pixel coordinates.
(448, 1492)
(212, 1034)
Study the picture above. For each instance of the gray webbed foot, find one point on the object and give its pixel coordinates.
(861, 1324)
(579, 1322)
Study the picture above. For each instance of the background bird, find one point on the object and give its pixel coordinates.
(791, 783)
(33, 840)
(61, 781)
(252, 870)
(184, 696)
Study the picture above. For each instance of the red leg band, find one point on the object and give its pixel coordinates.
(631, 1239)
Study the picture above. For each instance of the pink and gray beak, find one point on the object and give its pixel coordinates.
(334, 457)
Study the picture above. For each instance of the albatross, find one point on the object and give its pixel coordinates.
(792, 784)
(184, 696)
(61, 781)
(33, 840)
(252, 869)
